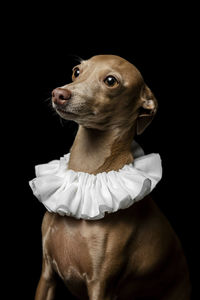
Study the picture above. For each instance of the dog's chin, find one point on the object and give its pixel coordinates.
(67, 115)
(86, 120)
(79, 117)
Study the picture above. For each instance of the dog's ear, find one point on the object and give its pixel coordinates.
(147, 109)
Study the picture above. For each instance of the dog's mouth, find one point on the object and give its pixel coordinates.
(64, 112)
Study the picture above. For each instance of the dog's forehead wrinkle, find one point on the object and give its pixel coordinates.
(116, 64)
(83, 62)
(112, 60)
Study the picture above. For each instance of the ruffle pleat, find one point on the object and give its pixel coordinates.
(88, 196)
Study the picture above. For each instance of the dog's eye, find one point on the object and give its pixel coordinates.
(110, 81)
(76, 72)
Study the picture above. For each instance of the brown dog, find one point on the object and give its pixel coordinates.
(130, 254)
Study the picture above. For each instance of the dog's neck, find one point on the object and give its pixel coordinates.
(95, 151)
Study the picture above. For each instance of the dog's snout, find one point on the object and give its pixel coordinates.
(61, 96)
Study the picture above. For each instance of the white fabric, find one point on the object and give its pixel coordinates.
(87, 196)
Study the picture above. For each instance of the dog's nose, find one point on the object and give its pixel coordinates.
(60, 96)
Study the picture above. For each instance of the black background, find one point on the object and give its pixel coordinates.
(40, 58)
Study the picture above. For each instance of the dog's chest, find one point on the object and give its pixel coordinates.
(67, 249)
(82, 251)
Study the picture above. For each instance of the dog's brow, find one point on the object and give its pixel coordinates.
(83, 62)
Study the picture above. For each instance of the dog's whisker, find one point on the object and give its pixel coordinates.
(76, 57)
(47, 99)
(50, 105)
(61, 121)
(53, 111)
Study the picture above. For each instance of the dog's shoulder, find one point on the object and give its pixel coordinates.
(47, 219)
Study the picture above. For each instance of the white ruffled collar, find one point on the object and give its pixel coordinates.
(88, 196)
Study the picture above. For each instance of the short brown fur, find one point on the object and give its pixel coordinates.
(133, 253)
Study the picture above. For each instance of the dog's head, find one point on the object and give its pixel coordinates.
(106, 92)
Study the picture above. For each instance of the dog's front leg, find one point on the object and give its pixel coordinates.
(97, 291)
(46, 286)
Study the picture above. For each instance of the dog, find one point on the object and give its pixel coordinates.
(132, 253)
